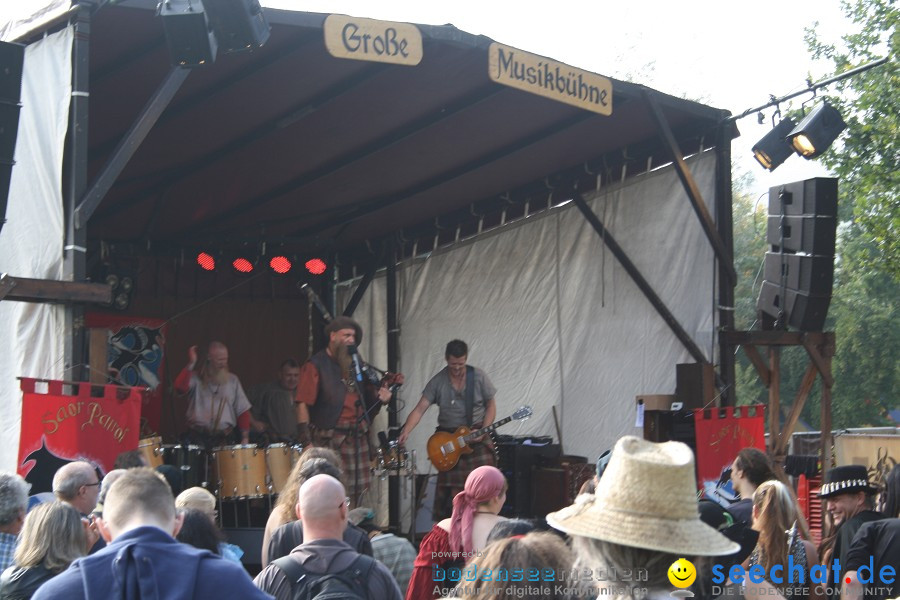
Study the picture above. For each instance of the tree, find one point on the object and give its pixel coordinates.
(867, 161)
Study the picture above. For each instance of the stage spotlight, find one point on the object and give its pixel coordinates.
(280, 264)
(206, 261)
(316, 266)
(243, 265)
(122, 286)
(773, 149)
(239, 25)
(189, 34)
(817, 131)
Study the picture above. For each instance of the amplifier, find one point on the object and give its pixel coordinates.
(516, 459)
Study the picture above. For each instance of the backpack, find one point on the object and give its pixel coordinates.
(349, 584)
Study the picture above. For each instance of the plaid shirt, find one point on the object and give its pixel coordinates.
(7, 548)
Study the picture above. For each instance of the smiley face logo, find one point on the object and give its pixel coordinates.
(682, 573)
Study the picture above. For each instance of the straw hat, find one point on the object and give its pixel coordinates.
(647, 498)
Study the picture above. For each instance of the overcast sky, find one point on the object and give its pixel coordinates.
(728, 54)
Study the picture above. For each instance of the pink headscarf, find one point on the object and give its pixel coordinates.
(482, 484)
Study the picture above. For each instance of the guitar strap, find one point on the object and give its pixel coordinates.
(470, 394)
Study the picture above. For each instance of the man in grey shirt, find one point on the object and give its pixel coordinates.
(322, 508)
(448, 389)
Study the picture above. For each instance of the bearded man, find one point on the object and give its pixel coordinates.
(330, 403)
(218, 411)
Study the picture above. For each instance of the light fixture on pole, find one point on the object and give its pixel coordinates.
(773, 149)
(817, 131)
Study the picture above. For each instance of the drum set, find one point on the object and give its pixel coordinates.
(235, 474)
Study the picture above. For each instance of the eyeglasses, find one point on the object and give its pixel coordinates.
(346, 502)
(92, 484)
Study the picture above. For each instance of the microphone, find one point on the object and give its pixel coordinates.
(357, 365)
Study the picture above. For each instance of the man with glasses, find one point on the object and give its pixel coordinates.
(322, 509)
(78, 484)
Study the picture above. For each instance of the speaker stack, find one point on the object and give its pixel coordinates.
(12, 57)
(799, 267)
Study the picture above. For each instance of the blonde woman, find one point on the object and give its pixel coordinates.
(52, 538)
(776, 517)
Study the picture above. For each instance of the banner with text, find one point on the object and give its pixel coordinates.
(59, 427)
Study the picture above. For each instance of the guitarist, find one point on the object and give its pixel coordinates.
(464, 396)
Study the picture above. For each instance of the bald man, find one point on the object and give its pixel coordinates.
(322, 509)
(218, 411)
(143, 559)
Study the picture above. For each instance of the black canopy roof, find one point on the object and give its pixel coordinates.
(292, 145)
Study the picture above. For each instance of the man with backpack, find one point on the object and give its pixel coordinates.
(323, 566)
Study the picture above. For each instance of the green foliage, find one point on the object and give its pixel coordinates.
(863, 313)
(868, 161)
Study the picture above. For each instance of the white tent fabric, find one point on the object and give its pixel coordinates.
(553, 318)
(24, 16)
(31, 241)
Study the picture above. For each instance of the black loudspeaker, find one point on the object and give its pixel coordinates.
(12, 58)
(695, 384)
(817, 196)
(804, 311)
(798, 273)
(189, 33)
(814, 274)
(240, 25)
(516, 460)
(807, 234)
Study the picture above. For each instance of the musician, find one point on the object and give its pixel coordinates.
(274, 413)
(329, 403)
(451, 389)
(218, 411)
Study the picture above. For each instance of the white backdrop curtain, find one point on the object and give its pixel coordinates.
(553, 318)
(31, 241)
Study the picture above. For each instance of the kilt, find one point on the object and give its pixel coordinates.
(344, 442)
(452, 482)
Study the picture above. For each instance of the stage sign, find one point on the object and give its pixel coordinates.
(721, 433)
(372, 40)
(58, 428)
(134, 357)
(544, 77)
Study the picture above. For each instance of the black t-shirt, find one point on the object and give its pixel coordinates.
(878, 541)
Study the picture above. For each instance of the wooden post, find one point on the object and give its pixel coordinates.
(774, 399)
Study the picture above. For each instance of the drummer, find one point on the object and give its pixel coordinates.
(218, 411)
(274, 412)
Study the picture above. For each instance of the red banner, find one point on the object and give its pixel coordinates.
(58, 428)
(721, 433)
(134, 357)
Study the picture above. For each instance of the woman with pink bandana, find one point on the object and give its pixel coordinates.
(452, 542)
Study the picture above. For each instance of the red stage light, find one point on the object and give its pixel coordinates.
(242, 265)
(280, 264)
(316, 266)
(206, 261)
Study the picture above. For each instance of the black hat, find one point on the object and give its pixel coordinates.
(845, 480)
(343, 322)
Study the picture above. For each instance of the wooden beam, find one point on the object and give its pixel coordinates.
(774, 398)
(778, 338)
(63, 292)
(6, 285)
(802, 394)
(826, 428)
(819, 361)
(758, 362)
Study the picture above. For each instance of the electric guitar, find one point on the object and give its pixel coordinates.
(444, 449)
